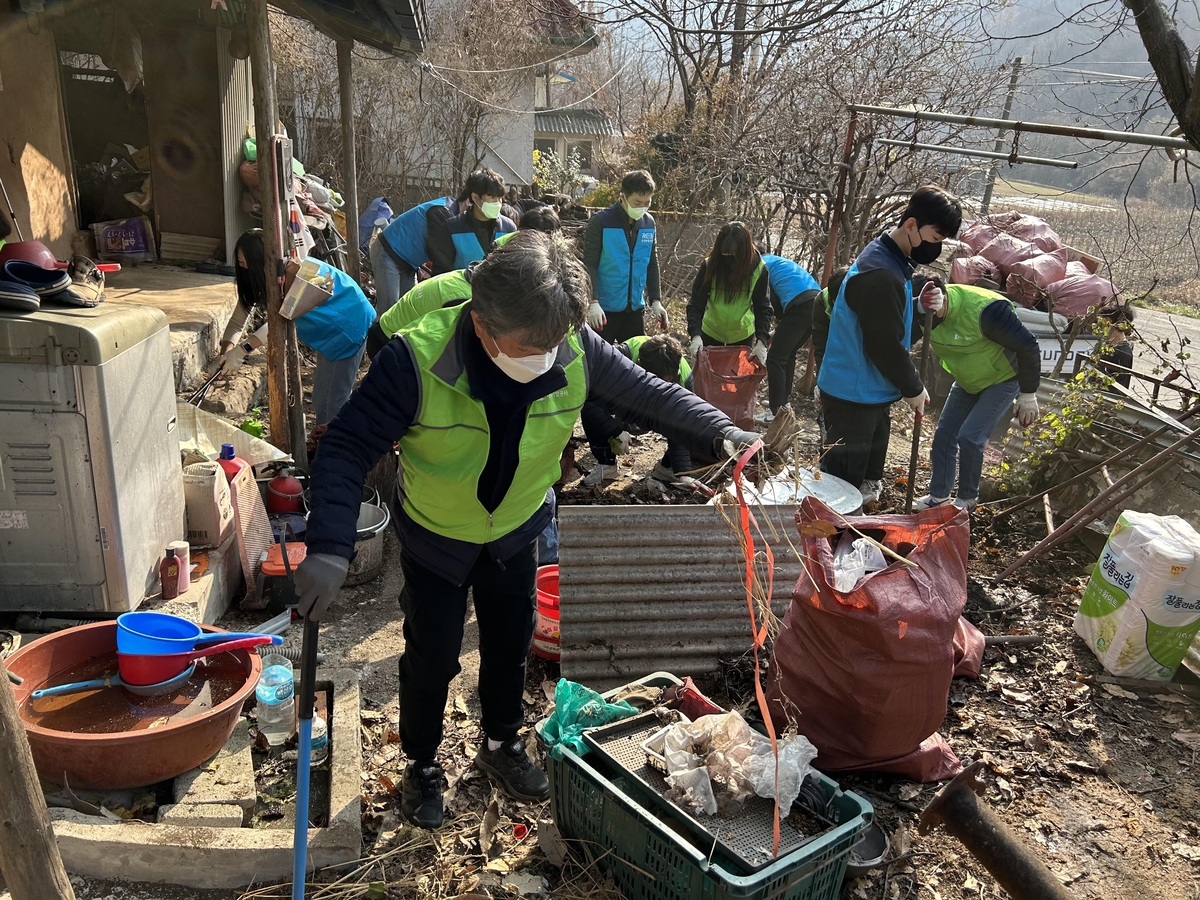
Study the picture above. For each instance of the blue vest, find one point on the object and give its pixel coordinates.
(788, 279)
(621, 276)
(406, 233)
(466, 245)
(846, 371)
(338, 327)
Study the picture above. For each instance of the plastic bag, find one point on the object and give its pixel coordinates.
(125, 240)
(725, 749)
(1076, 294)
(728, 378)
(979, 236)
(1006, 251)
(1141, 608)
(969, 269)
(1037, 231)
(1075, 267)
(868, 672)
(1029, 279)
(576, 708)
(854, 561)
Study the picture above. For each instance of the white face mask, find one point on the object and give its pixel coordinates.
(524, 369)
(491, 210)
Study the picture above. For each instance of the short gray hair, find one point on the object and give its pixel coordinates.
(533, 288)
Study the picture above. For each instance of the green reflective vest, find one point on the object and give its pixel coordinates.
(502, 239)
(447, 289)
(635, 348)
(444, 451)
(975, 362)
(731, 319)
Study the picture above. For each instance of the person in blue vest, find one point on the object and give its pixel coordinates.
(468, 236)
(378, 212)
(336, 330)
(994, 360)
(792, 291)
(401, 249)
(729, 302)
(867, 366)
(482, 399)
(820, 314)
(621, 256)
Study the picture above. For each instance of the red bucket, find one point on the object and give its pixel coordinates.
(545, 632)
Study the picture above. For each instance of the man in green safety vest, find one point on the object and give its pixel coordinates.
(994, 359)
(482, 398)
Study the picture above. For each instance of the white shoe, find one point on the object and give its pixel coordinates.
(929, 502)
(601, 474)
(968, 505)
(870, 491)
(766, 417)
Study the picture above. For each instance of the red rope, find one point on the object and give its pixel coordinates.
(758, 633)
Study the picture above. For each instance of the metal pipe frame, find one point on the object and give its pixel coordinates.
(1092, 134)
(983, 154)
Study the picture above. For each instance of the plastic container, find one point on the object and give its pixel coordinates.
(285, 493)
(183, 553)
(623, 833)
(230, 462)
(275, 694)
(546, 631)
(320, 741)
(153, 632)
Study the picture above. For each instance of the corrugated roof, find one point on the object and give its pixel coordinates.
(650, 588)
(395, 26)
(591, 122)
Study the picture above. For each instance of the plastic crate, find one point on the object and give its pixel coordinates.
(648, 859)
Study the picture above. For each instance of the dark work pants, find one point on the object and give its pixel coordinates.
(856, 439)
(621, 326)
(434, 610)
(792, 333)
(598, 427)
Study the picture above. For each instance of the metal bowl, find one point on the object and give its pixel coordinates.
(868, 853)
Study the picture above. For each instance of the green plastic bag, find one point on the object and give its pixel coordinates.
(575, 708)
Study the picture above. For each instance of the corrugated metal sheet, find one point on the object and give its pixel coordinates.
(649, 588)
(592, 122)
(237, 114)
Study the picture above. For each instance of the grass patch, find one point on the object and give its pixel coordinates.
(1174, 309)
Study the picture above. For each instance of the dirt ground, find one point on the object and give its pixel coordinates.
(1102, 783)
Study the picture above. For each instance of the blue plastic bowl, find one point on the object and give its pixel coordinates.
(154, 633)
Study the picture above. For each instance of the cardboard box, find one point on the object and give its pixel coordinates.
(141, 159)
(208, 503)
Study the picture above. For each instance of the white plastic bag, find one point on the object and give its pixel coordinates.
(855, 560)
(1141, 608)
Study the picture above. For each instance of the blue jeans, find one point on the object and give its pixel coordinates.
(332, 383)
(392, 279)
(967, 421)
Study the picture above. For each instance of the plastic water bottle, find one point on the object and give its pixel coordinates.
(320, 741)
(276, 692)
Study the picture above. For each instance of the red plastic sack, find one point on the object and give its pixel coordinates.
(1005, 220)
(866, 674)
(1006, 251)
(969, 269)
(1037, 231)
(1028, 279)
(1075, 267)
(728, 378)
(1076, 294)
(979, 236)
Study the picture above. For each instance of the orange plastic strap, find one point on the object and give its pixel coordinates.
(759, 633)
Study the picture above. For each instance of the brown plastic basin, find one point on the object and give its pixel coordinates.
(121, 759)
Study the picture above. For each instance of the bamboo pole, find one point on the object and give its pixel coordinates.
(29, 858)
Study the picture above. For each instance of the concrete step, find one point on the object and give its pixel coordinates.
(210, 594)
(197, 306)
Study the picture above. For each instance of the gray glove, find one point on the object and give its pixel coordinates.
(318, 580)
(733, 440)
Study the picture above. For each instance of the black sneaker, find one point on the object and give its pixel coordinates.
(421, 800)
(511, 764)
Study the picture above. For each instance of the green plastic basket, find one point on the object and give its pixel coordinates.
(648, 859)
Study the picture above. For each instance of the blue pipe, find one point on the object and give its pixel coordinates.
(300, 836)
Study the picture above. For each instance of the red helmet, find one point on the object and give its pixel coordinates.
(31, 251)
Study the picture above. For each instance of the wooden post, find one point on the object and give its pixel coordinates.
(263, 75)
(349, 161)
(33, 869)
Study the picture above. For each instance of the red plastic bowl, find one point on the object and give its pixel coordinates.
(124, 759)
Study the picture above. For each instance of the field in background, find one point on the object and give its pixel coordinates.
(1146, 247)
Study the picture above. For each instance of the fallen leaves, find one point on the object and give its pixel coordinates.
(1187, 851)
(487, 828)
(1189, 739)
(1118, 691)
